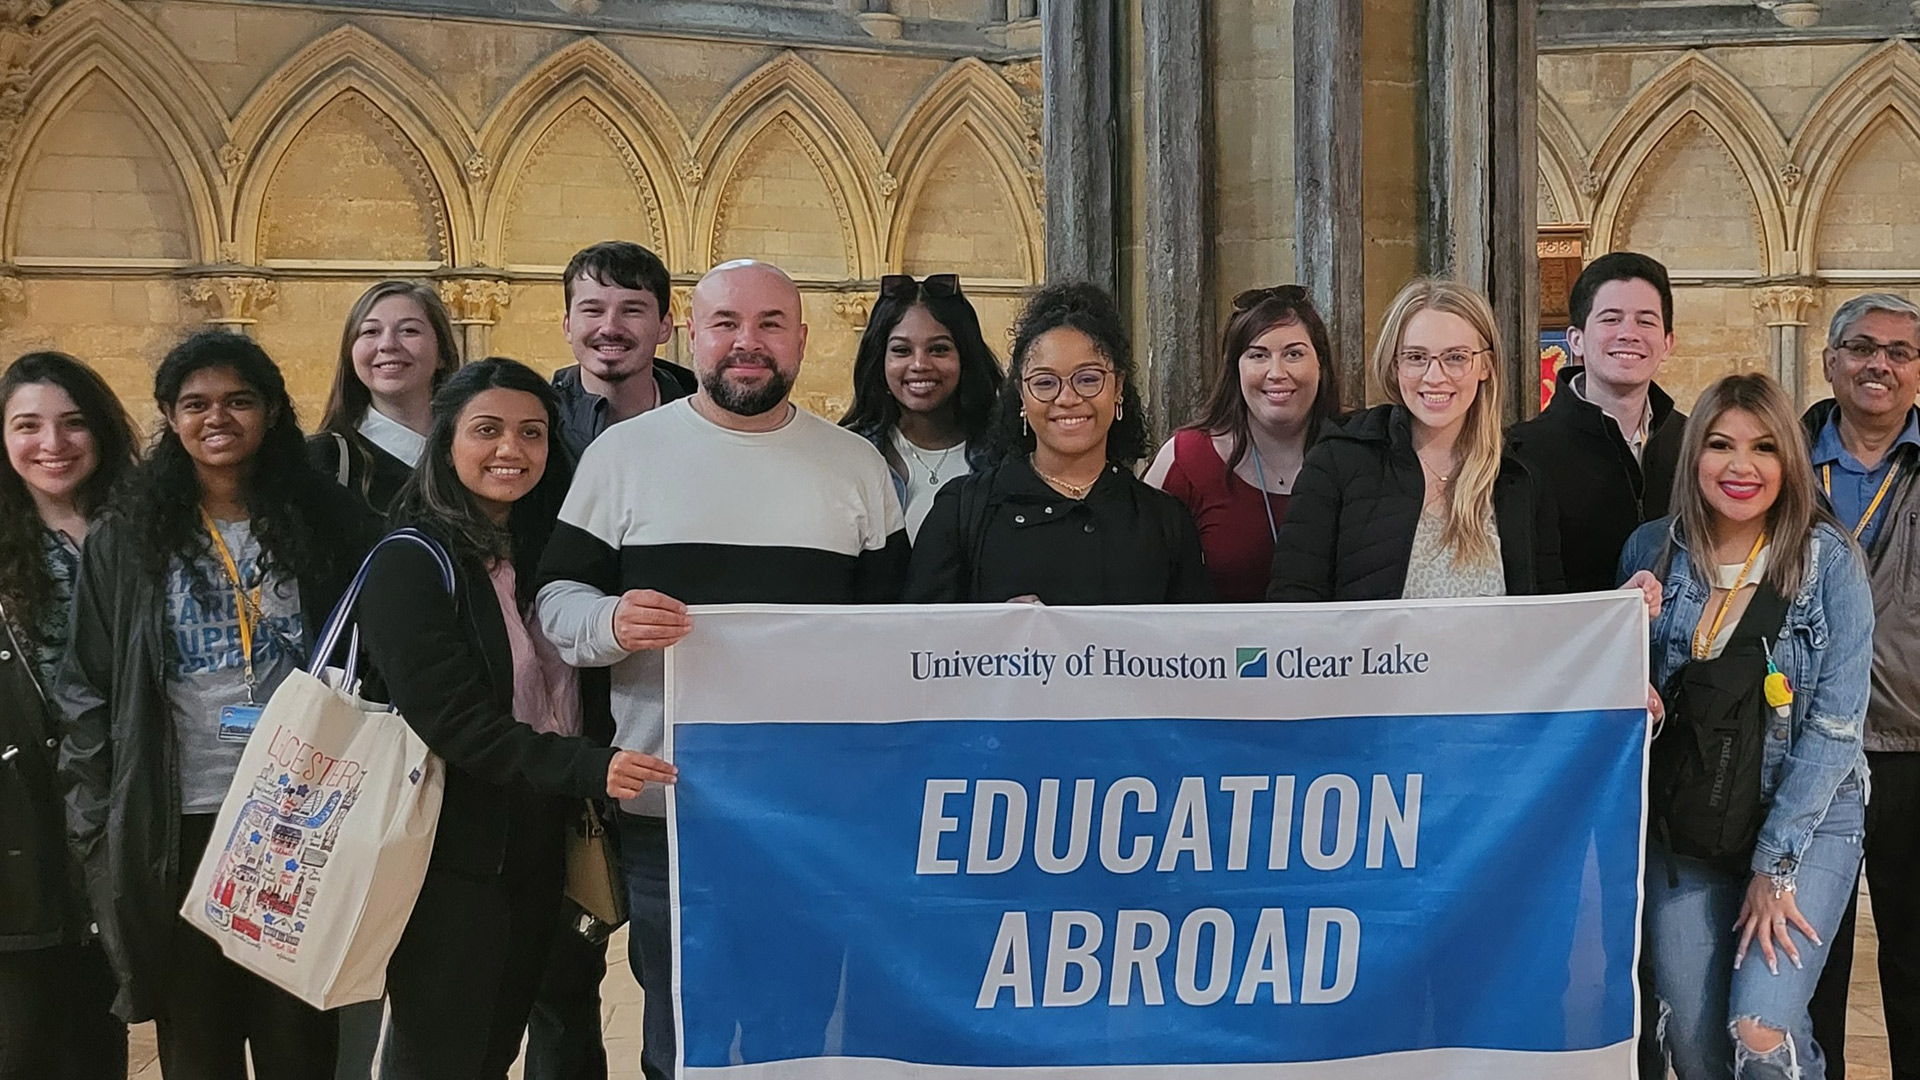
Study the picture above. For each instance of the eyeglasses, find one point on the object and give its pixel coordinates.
(1087, 382)
(1862, 349)
(903, 287)
(1286, 294)
(1453, 361)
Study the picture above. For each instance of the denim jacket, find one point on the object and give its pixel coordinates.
(1826, 652)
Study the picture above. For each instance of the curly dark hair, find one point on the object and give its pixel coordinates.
(25, 584)
(1088, 309)
(874, 406)
(288, 504)
(435, 501)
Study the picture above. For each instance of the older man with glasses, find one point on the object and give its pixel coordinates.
(1866, 451)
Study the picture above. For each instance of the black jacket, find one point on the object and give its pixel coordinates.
(372, 473)
(583, 414)
(117, 752)
(991, 536)
(1348, 533)
(444, 662)
(39, 905)
(1602, 491)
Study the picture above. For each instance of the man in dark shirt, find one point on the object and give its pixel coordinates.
(618, 316)
(1609, 441)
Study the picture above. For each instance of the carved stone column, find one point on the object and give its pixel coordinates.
(1327, 182)
(1081, 124)
(232, 299)
(17, 21)
(1179, 205)
(473, 304)
(1785, 309)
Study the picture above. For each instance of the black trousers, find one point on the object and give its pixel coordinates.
(462, 982)
(213, 1012)
(56, 1016)
(1893, 880)
(563, 1034)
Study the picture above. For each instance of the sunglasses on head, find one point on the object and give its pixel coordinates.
(903, 287)
(1286, 294)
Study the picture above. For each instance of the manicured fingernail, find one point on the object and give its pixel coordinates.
(1818, 943)
(1773, 966)
(1796, 963)
(1737, 960)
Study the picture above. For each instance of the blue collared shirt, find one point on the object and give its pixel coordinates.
(1854, 485)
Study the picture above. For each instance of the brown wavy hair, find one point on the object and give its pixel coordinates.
(1255, 312)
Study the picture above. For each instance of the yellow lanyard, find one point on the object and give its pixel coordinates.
(1704, 644)
(247, 605)
(1826, 481)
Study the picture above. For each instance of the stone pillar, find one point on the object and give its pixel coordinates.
(1179, 212)
(1785, 308)
(473, 305)
(232, 298)
(1327, 183)
(1081, 137)
(1482, 122)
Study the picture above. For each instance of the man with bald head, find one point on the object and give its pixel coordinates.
(733, 495)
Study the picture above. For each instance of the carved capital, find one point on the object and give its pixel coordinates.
(1785, 305)
(13, 293)
(232, 301)
(475, 301)
(853, 307)
(681, 298)
(18, 23)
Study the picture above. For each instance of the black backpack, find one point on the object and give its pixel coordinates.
(1703, 778)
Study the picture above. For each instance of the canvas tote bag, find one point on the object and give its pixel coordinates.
(320, 848)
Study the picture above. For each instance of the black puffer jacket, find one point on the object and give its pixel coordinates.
(117, 752)
(1348, 534)
(1603, 491)
(38, 905)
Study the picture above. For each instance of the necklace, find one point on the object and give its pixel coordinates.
(1703, 639)
(1074, 491)
(933, 470)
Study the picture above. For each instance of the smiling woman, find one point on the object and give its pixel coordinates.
(396, 347)
(197, 594)
(1062, 519)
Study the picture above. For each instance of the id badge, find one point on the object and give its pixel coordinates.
(238, 721)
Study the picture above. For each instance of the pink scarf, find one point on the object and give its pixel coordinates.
(546, 692)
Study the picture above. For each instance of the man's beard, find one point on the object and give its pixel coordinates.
(612, 371)
(744, 401)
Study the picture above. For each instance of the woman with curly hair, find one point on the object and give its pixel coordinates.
(199, 591)
(1062, 519)
(68, 441)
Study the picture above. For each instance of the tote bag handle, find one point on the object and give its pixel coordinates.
(338, 622)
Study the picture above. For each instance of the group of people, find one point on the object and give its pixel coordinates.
(152, 601)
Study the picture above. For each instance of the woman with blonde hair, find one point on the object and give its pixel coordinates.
(1416, 498)
(1756, 783)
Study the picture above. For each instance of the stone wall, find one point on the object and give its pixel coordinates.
(1775, 179)
(188, 161)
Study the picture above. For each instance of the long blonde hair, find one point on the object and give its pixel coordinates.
(1477, 454)
(1794, 514)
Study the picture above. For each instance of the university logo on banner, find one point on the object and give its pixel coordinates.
(1337, 841)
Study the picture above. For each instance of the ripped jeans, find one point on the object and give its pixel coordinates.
(1689, 938)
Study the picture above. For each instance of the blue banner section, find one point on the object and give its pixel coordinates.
(1109, 892)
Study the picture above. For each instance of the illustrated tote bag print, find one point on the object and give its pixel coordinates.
(322, 843)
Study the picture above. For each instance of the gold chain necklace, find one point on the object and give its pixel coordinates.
(1074, 491)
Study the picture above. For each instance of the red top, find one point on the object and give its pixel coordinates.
(1234, 531)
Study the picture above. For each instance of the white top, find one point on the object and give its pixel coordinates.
(927, 472)
(1724, 575)
(393, 436)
